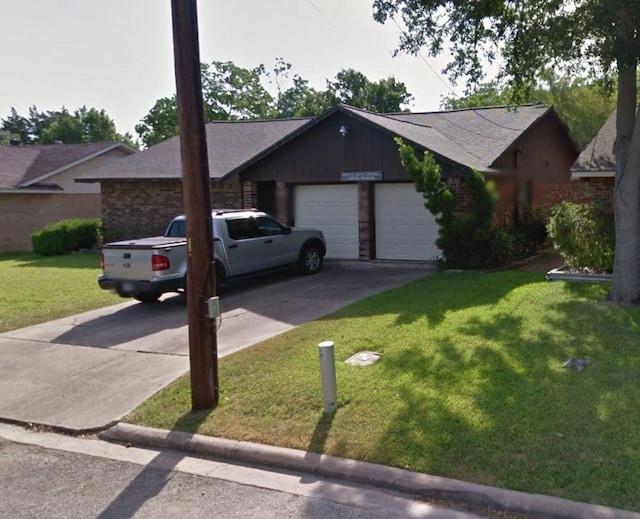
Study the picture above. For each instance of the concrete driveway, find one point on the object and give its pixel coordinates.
(87, 371)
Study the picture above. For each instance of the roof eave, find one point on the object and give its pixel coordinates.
(603, 173)
(86, 158)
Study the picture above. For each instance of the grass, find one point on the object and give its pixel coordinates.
(470, 386)
(37, 289)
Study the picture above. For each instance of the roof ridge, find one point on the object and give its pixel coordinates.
(238, 121)
(470, 108)
(388, 116)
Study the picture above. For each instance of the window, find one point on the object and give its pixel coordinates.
(268, 226)
(242, 228)
(177, 229)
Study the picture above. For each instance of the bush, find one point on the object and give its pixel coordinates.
(501, 248)
(584, 234)
(530, 234)
(66, 236)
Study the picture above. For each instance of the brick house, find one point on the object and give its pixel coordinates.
(341, 172)
(37, 187)
(595, 168)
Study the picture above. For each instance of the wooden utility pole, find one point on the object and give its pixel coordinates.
(203, 349)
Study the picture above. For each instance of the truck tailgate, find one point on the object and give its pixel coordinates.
(132, 260)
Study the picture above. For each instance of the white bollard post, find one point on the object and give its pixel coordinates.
(328, 376)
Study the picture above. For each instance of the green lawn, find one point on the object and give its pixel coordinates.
(36, 289)
(470, 385)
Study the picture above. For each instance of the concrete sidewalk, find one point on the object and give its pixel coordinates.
(87, 371)
(444, 491)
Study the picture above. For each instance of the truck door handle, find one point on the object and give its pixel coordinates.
(268, 241)
(234, 246)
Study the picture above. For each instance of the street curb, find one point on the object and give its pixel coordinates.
(433, 487)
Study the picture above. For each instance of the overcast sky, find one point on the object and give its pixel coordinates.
(118, 54)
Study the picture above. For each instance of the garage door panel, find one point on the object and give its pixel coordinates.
(405, 229)
(334, 210)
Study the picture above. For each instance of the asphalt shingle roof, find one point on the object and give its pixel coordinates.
(484, 133)
(422, 134)
(599, 155)
(473, 138)
(20, 165)
(229, 145)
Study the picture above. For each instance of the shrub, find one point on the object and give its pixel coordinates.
(530, 234)
(501, 248)
(584, 234)
(469, 240)
(66, 236)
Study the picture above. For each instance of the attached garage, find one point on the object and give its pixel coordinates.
(405, 230)
(334, 210)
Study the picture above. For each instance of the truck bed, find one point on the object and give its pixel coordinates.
(154, 242)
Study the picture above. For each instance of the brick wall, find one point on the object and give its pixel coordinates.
(598, 189)
(136, 209)
(23, 214)
(366, 221)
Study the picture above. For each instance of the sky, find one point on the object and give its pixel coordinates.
(118, 55)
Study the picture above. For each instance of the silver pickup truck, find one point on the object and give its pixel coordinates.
(245, 241)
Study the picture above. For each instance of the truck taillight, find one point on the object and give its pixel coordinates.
(102, 261)
(160, 263)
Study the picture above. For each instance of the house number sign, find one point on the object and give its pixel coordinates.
(361, 176)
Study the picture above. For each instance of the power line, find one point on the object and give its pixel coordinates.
(327, 19)
(445, 83)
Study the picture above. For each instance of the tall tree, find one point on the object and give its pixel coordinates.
(527, 36)
(160, 123)
(301, 100)
(6, 138)
(80, 126)
(229, 92)
(354, 88)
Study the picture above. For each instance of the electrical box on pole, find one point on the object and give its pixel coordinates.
(203, 350)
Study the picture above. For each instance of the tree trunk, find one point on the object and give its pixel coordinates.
(625, 285)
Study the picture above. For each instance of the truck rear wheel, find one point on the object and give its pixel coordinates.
(149, 297)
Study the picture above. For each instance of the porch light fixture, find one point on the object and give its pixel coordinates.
(344, 130)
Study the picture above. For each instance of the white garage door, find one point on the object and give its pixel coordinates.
(334, 210)
(405, 230)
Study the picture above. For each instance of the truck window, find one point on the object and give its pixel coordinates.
(177, 229)
(268, 226)
(242, 228)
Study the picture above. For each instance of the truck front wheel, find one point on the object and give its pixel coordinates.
(310, 260)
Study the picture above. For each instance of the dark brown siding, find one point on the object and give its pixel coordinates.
(321, 155)
(538, 162)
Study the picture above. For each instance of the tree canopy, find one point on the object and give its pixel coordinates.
(231, 92)
(524, 37)
(80, 126)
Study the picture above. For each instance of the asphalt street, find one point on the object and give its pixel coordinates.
(54, 476)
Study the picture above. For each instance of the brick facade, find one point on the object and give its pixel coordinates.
(597, 190)
(366, 221)
(23, 214)
(136, 209)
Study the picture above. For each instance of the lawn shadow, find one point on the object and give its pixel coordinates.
(192, 420)
(501, 410)
(433, 297)
(321, 432)
(75, 260)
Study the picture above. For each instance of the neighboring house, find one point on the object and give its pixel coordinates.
(37, 187)
(596, 165)
(341, 172)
